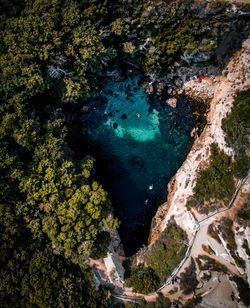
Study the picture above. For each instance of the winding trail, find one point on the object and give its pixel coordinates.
(198, 223)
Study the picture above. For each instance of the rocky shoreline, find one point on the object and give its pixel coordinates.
(221, 91)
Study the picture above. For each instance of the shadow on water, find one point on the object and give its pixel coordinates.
(137, 146)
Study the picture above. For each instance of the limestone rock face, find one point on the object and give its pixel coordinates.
(172, 102)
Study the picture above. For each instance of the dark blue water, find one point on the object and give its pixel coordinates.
(136, 152)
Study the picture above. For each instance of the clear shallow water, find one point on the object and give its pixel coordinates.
(135, 152)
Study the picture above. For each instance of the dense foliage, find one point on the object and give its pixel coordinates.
(188, 281)
(53, 214)
(166, 32)
(243, 214)
(243, 290)
(143, 279)
(237, 126)
(215, 183)
(166, 253)
(50, 42)
(161, 259)
(34, 276)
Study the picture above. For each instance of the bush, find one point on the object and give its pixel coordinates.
(206, 263)
(190, 303)
(188, 281)
(226, 225)
(243, 214)
(167, 251)
(100, 247)
(236, 127)
(243, 290)
(216, 182)
(213, 233)
(143, 279)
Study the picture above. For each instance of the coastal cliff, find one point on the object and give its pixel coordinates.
(220, 90)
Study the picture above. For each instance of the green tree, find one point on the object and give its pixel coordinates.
(143, 279)
(236, 126)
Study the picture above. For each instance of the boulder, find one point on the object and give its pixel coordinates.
(85, 108)
(172, 102)
(147, 87)
(159, 87)
(123, 116)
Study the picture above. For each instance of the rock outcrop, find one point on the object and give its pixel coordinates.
(172, 102)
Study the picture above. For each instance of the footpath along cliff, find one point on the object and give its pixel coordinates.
(221, 91)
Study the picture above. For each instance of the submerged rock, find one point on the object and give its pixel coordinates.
(85, 108)
(123, 116)
(115, 74)
(172, 102)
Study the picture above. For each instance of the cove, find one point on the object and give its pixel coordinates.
(138, 145)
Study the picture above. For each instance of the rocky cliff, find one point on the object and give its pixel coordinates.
(220, 90)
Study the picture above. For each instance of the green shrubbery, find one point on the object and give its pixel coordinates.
(206, 263)
(243, 289)
(161, 259)
(237, 126)
(226, 230)
(188, 280)
(243, 214)
(215, 182)
(183, 28)
(143, 279)
(166, 253)
(52, 211)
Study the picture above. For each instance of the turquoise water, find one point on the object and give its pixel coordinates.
(135, 152)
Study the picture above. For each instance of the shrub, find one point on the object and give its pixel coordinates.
(166, 253)
(143, 279)
(245, 246)
(188, 281)
(236, 127)
(100, 247)
(243, 214)
(243, 290)
(206, 263)
(160, 302)
(213, 233)
(226, 230)
(215, 182)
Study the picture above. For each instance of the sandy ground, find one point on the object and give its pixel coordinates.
(220, 295)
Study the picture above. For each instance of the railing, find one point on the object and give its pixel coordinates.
(197, 223)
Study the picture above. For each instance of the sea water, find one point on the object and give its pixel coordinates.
(138, 146)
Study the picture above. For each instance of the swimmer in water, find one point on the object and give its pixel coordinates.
(151, 187)
(138, 115)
